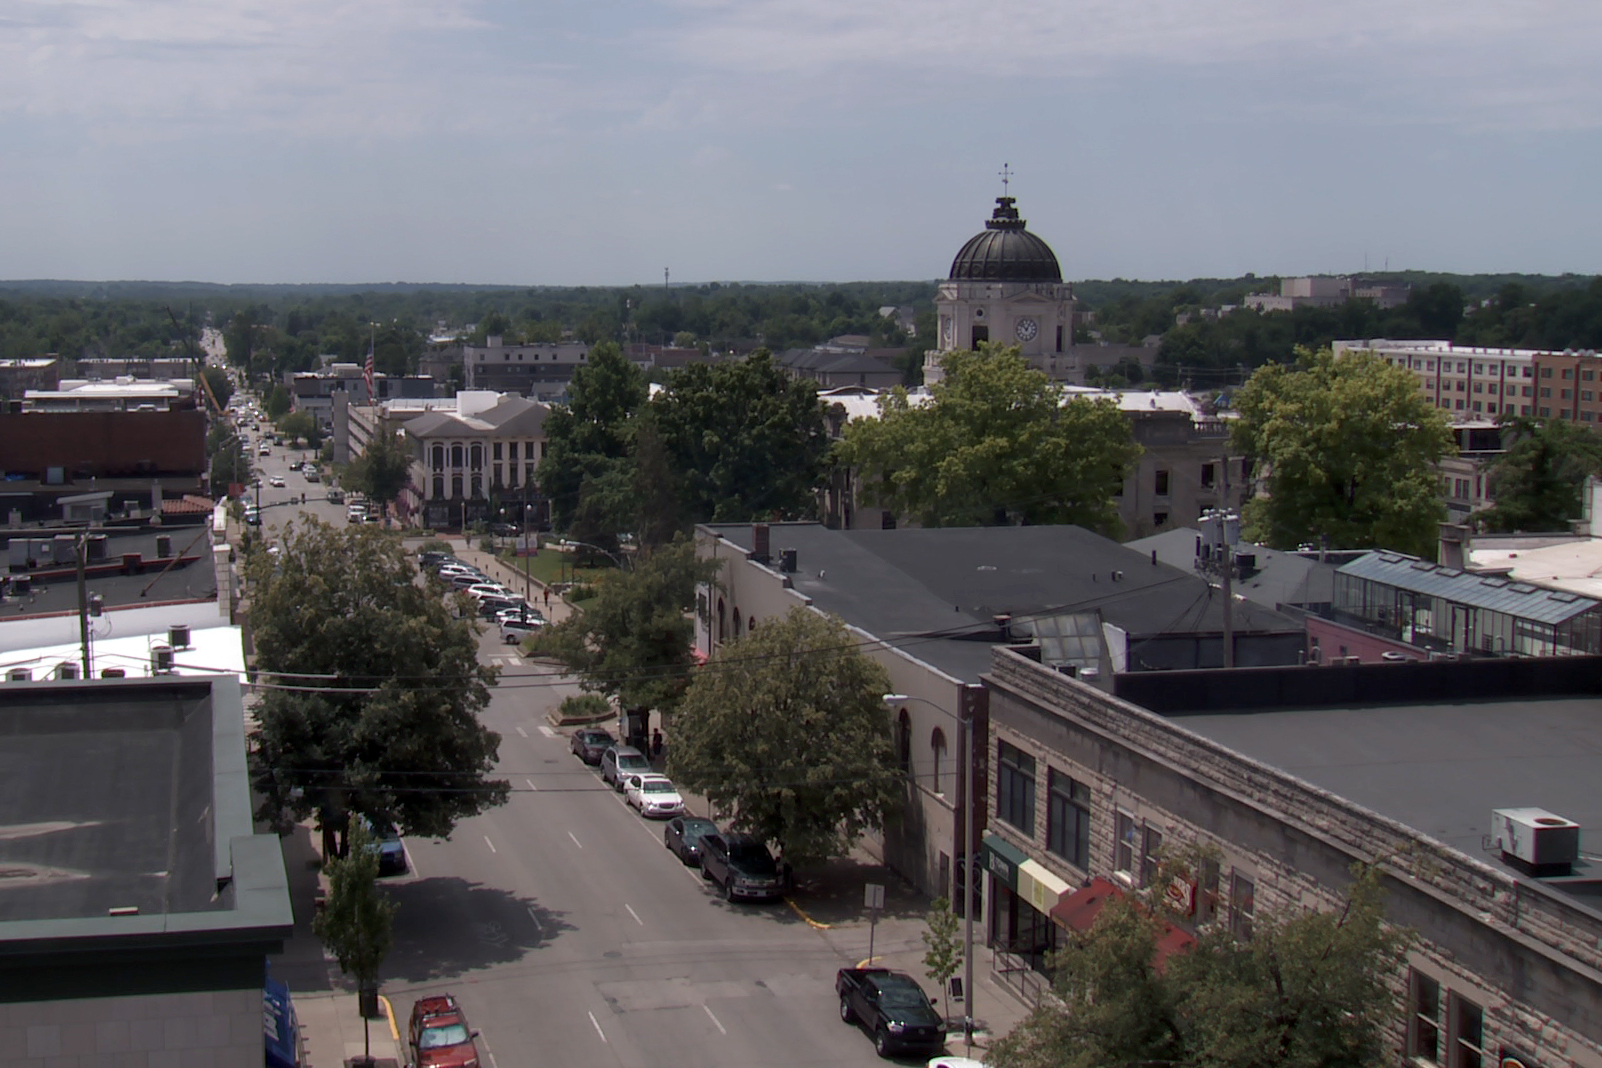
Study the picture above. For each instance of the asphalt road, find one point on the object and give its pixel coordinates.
(572, 936)
(276, 507)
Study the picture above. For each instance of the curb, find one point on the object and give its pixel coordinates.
(816, 925)
(389, 1014)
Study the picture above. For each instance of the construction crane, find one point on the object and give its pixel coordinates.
(200, 365)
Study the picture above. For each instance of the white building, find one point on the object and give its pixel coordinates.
(472, 463)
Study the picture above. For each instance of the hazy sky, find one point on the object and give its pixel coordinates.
(567, 142)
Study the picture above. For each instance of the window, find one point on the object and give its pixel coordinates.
(903, 725)
(1068, 818)
(495, 475)
(1162, 484)
(1566, 394)
(1479, 368)
(456, 456)
(1467, 1049)
(1546, 372)
(937, 743)
(1125, 836)
(1524, 409)
(1242, 905)
(1587, 376)
(1568, 373)
(475, 457)
(1207, 476)
(1546, 391)
(1207, 892)
(1015, 787)
(1528, 372)
(1159, 519)
(1585, 394)
(1150, 848)
(1545, 412)
(495, 453)
(1529, 391)
(1479, 387)
(1423, 1018)
(438, 456)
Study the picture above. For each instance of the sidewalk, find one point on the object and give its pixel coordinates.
(555, 609)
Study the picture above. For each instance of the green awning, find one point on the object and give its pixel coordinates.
(1001, 859)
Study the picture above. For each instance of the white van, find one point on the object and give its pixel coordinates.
(513, 631)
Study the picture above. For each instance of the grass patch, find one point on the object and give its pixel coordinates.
(550, 567)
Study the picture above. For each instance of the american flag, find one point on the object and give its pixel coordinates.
(367, 372)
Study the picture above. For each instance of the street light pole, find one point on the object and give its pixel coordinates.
(965, 733)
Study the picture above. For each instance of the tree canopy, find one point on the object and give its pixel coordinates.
(632, 641)
(380, 472)
(1346, 449)
(995, 444)
(1310, 989)
(588, 438)
(785, 733)
(1536, 482)
(746, 440)
(373, 688)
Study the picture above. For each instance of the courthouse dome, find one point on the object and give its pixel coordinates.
(1005, 252)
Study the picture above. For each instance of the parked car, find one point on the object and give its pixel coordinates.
(519, 610)
(893, 1008)
(513, 631)
(439, 1036)
(741, 866)
(589, 743)
(621, 760)
(682, 836)
(336, 495)
(488, 589)
(391, 850)
(264, 451)
(276, 480)
(311, 474)
(653, 795)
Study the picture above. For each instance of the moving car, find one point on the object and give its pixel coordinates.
(682, 836)
(311, 474)
(589, 743)
(276, 480)
(264, 451)
(652, 795)
(513, 631)
(891, 1007)
(439, 1036)
(621, 760)
(741, 865)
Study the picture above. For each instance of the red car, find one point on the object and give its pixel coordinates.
(439, 1035)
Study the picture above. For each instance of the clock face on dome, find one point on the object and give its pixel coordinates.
(1026, 329)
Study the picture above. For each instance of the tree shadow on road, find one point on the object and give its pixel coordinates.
(447, 926)
(832, 892)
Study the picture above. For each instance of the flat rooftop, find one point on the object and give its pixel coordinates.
(1441, 768)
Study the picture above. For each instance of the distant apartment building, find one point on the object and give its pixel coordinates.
(541, 371)
(314, 391)
(1476, 381)
(1321, 291)
(20, 375)
(121, 394)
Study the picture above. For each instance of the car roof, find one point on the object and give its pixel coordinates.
(437, 1005)
(696, 821)
(625, 750)
(651, 776)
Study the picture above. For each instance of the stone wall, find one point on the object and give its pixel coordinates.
(220, 1029)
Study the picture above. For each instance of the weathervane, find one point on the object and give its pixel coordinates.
(1006, 173)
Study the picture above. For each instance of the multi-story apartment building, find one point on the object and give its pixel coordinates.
(1464, 379)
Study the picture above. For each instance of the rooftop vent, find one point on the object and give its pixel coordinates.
(178, 635)
(161, 659)
(1535, 841)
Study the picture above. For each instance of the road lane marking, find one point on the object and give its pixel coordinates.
(523, 732)
(531, 785)
(487, 1051)
(636, 915)
(598, 1030)
(546, 730)
(576, 842)
(714, 1019)
(490, 844)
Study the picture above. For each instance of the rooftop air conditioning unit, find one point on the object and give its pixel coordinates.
(161, 659)
(178, 635)
(1536, 841)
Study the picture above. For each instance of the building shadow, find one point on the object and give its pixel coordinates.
(445, 927)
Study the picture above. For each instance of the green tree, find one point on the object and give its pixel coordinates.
(278, 403)
(996, 444)
(747, 441)
(222, 387)
(1347, 448)
(1310, 989)
(942, 942)
(227, 460)
(381, 471)
(357, 922)
(586, 436)
(1536, 482)
(786, 734)
(300, 425)
(375, 689)
(655, 487)
(632, 642)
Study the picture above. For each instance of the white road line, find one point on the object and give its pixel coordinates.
(598, 1030)
(515, 661)
(411, 861)
(714, 1019)
(490, 844)
(523, 732)
(536, 919)
(576, 842)
(636, 915)
(488, 1052)
(531, 785)
(547, 730)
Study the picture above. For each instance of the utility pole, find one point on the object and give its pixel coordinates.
(83, 602)
(1229, 567)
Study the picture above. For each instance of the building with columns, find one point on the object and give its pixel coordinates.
(1005, 287)
(473, 463)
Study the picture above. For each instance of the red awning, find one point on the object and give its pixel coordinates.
(1078, 912)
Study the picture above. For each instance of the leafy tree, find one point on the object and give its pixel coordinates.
(655, 487)
(1347, 448)
(1536, 482)
(222, 387)
(374, 689)
(381, 471)
(632, 642)
(357, 922)
(277, 404)
(942, 957)
(592, 430)
(996, 444)
(785, 733)
(240, 337)
(1309, 990)
(300, 425)
(227, 460)
(747, 441)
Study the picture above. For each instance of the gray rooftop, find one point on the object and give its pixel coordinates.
(936, 591)
(1494, 592)
(53, 587)
(1279, 577)
(1438, 768)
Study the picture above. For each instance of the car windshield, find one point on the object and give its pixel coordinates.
(657, 786)
(901, 997)
(753, 856)
(626, 760)
(694, 830)
(448, 1035)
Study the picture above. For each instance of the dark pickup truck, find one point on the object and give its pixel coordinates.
(741, 866)
(893, 1008)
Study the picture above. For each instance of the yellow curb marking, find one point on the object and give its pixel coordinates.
(810, 922)
(867, 963)
(389, 1014)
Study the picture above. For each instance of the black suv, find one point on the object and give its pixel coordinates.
(741, 865)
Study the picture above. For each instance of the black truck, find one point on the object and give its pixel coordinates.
(893, 1008)
(741, 866)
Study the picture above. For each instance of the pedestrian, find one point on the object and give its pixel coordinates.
(547, 597)
(656, 743)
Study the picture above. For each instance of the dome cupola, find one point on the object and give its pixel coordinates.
(1005, 252)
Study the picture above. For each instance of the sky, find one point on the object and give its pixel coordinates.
(600, 142)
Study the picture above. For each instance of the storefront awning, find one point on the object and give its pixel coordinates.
(1039, 887)
(1002, 859)
(1078, 912)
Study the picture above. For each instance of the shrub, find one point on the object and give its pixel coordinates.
(584, 706)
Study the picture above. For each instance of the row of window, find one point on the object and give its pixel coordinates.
(1511, 369)
(1455, 1041)
(473, 455)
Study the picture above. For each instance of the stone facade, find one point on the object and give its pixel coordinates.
(216, 1029)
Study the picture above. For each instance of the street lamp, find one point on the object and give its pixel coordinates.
(965, 725)
(614, 557)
